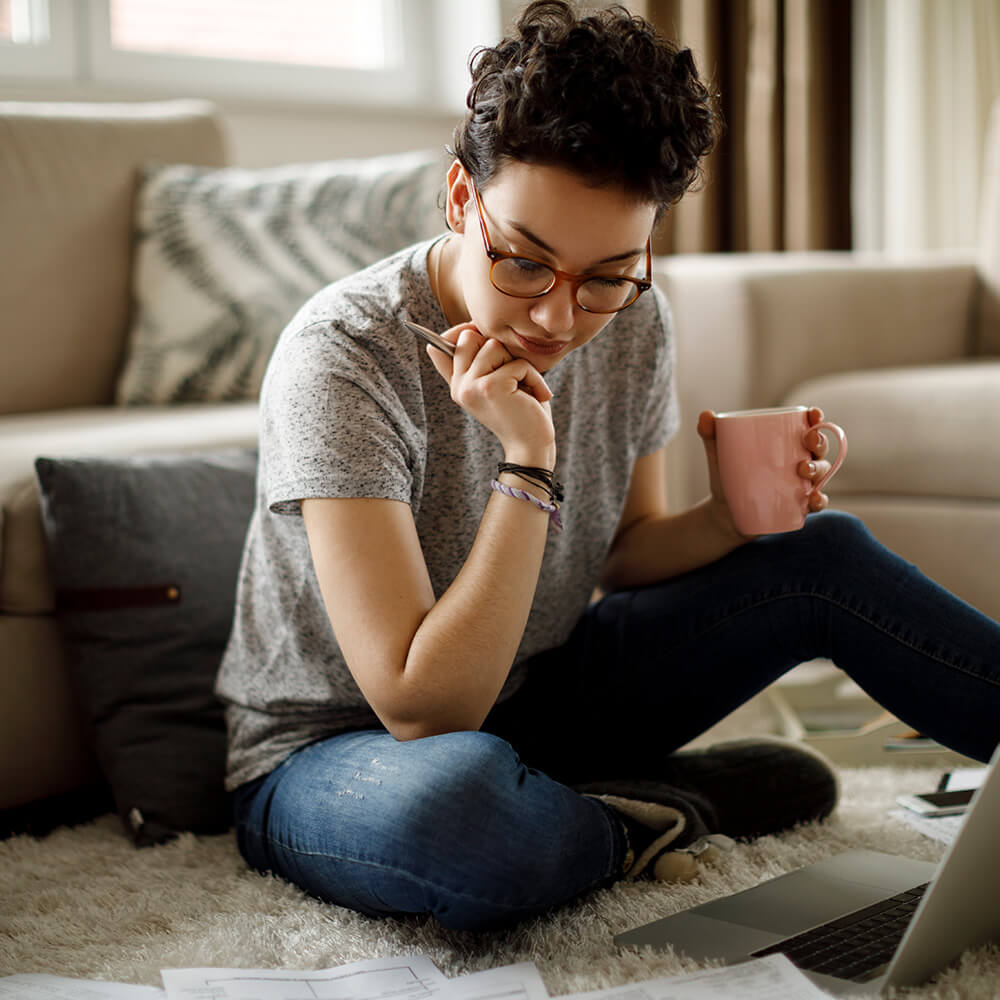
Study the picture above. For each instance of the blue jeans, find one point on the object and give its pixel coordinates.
(481, 828)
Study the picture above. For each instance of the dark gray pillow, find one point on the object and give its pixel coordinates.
(145, 554)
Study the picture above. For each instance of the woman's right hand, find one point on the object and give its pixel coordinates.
(507, 395)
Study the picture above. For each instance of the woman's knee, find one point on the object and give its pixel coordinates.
(829, 536)
(467, 797)
(428, 793)
(454, 825)
(384, 783)
(838, 528)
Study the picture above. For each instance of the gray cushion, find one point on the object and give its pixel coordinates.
(145, 554)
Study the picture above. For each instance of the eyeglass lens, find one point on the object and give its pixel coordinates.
(527, 278)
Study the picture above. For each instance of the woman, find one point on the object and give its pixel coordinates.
(427, 711)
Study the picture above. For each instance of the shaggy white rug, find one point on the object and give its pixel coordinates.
(84, 903)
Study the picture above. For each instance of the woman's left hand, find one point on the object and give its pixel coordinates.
(816, 468)
(812, 469)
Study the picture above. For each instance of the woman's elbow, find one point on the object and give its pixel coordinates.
(405, 725)
(418, 729)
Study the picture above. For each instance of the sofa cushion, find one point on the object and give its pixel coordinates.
(922, 431)
(25, 581)
(68, 174)
(145, 554)
(225, 257)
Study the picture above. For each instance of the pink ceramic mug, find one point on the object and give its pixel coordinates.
(759, 455)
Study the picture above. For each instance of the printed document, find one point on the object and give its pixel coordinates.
(29, 986)
(409, 977)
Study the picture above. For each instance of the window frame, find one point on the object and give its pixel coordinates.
(79, 50)
(55, 58)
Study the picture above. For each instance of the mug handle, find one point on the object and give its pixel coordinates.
(838, 433)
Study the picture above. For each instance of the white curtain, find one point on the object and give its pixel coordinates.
(926, 73)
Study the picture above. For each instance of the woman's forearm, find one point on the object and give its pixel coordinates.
(660, 547)
(463, 650)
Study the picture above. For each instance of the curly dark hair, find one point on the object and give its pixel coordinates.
(602, 95)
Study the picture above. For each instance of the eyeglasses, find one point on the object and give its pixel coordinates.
(527, 278)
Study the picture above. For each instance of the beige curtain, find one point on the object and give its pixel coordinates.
(926, 75)
(780, 178)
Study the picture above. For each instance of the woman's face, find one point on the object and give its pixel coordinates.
(551, 215)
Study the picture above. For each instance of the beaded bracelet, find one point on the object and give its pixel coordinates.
(552, 509)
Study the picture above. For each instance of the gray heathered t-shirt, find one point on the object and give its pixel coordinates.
(351, 406)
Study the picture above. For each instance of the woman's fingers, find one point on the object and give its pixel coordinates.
(445, 364)
(490, 355)
(706, 425)
(441, 361)
(491, 359)
(528, 379)
(818, 501)
(815, 440)
(815, 470)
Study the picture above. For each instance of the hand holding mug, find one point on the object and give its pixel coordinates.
(769, 465)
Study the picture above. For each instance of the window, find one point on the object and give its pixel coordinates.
(23, 23)
(332, 33)
(355, 51)
(36, 39)
(319, 49)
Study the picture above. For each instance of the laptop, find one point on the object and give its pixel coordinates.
(828, 917)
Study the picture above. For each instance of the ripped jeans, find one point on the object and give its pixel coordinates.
(481, 828)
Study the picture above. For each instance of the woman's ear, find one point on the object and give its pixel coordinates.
(458, 193)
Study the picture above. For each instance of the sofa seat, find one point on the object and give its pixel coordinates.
(902, 352)
(908, 475)
(955, 542)
(25, 584)
(910, 429)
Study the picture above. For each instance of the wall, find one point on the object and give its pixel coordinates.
(263, 137)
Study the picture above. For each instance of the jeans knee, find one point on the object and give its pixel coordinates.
(837, 533)
(453, 825)
(464, 772)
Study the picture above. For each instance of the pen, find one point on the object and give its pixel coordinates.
(431, 337)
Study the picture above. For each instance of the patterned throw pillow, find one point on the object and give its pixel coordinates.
(225, 257)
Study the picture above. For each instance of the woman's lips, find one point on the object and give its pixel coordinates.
(540, 346)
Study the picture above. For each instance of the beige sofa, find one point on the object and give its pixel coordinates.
(68, 175)
(903, 352)
(898, 352)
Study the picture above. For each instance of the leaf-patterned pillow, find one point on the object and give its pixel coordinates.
(225, 257)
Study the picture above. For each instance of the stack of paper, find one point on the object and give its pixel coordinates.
(416, 977)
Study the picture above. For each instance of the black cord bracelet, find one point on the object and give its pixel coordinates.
(537, 476)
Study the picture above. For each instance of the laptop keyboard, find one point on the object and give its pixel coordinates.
(855, 946)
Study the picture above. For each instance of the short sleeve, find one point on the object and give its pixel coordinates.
(332, 425)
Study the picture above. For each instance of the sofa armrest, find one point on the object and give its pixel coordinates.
(750, 327)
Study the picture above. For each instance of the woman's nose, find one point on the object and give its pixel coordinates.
(555, 311)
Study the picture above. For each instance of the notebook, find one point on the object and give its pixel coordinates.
(934, 912)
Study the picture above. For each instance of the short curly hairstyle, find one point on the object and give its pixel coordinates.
(602, 95)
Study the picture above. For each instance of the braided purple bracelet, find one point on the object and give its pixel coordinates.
(550, 508)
